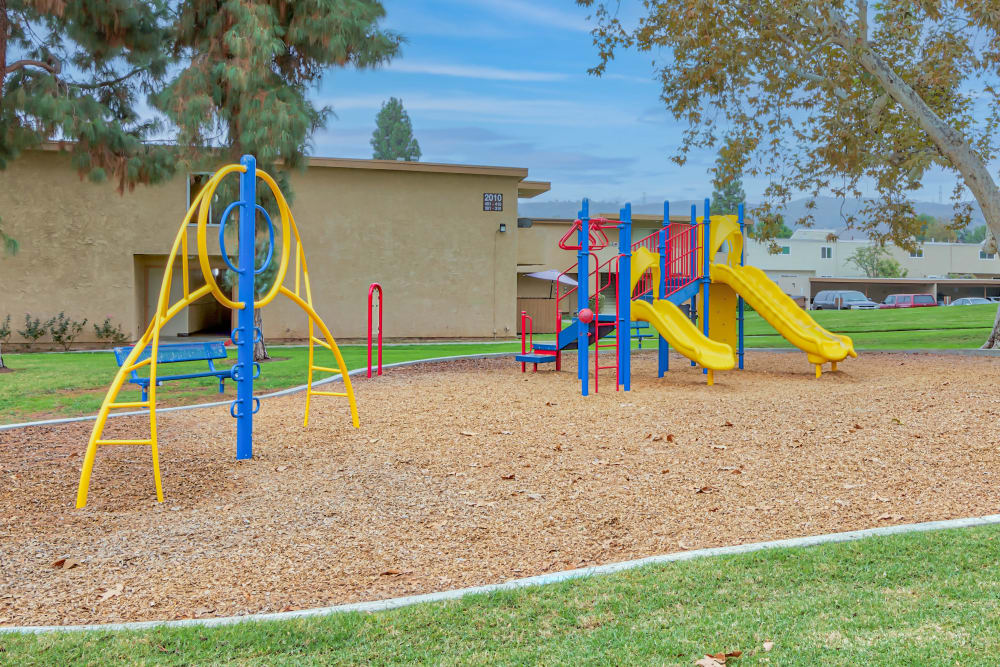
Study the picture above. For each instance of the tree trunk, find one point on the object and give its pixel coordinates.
(949, 141)
(259, 349)
(1, 356)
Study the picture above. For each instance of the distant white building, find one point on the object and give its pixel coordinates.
(811, 254)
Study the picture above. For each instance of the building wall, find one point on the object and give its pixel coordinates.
(804, 257)
(446, 268)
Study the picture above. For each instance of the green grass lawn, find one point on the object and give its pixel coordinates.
(918, 599)
(891, 329)
(58, 385)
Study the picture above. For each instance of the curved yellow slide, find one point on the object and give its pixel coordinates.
(782, 313)
(671, 323)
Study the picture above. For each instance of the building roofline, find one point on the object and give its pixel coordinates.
(904, 281)
(383, 165)
(529, 189)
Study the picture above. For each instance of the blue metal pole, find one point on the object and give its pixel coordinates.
(243, 408)
(663, 347)
(739, 302)
(706, 270)
(583, 295)
(625, 297)
(693, 262)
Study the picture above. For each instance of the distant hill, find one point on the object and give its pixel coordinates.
(828, 214)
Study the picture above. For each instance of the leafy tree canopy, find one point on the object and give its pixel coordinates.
(932, 228)
(393, 136)
(110, 77)
(876, 262)
(829, 96)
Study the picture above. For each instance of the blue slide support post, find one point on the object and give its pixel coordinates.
(582, 296)
(739, 302)
(244, 335)
(663, 347)
(706, 273)
(625, 297)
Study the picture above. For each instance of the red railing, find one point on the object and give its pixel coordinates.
(571, 290)
(371, 292)
(527, 337)
(681, 261)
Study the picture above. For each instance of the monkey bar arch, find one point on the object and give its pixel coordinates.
(245, 334)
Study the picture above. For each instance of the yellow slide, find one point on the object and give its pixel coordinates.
(768, 299)
(671, 323)
(782, 313)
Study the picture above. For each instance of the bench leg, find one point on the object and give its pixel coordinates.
(222, 386)
(145, 394)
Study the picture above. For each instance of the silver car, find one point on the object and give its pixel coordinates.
(835, 299)
(970, 301)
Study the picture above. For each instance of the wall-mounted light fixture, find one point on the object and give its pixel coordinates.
(503, 227)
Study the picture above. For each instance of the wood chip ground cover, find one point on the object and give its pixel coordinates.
(471, 473)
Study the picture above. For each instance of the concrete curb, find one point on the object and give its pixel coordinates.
(282, 392)
(540, 580)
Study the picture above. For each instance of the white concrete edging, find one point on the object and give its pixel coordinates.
(539, 580)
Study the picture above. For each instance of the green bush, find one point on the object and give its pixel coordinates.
(33, 330)
(5, 330)
(64, 330)
(111, 333)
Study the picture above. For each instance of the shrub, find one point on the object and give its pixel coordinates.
(33, 330)
(111, 333)
(64, 330)
(5, 330)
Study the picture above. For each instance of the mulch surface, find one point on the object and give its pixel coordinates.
(471, 473)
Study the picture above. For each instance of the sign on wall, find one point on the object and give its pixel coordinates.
(492, 201)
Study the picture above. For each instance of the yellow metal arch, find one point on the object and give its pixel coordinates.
(165, 312)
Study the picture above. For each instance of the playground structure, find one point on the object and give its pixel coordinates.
(651, 279)
(244, 335)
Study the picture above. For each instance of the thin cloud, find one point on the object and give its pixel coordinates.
(475, 72)
(509, 110)
(532, 13)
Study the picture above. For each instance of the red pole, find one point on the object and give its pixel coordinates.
(371, 293)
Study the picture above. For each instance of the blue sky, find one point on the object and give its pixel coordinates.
(504, 82)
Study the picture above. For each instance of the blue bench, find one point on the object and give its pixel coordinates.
(638, 334)
(170, 353)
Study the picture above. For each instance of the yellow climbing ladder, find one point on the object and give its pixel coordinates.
(165, 312)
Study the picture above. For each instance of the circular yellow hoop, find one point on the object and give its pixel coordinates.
(206, 204)
(286, 215)
(206, 267)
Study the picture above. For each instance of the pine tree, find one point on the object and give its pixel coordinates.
(728, 188)
(393, 136)
(227, 75)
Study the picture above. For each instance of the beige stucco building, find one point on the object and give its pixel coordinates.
(810, 257)
(448, 267)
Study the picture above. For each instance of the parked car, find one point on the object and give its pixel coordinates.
(909, 301)
(842, 299)
(971, 301)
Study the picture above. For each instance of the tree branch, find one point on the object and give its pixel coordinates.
(862, 21)
(53, 67)
(811, 76)
(109, 82)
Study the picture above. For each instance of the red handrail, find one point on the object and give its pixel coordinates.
(527, 342)
(681, 262)
(371, 292)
